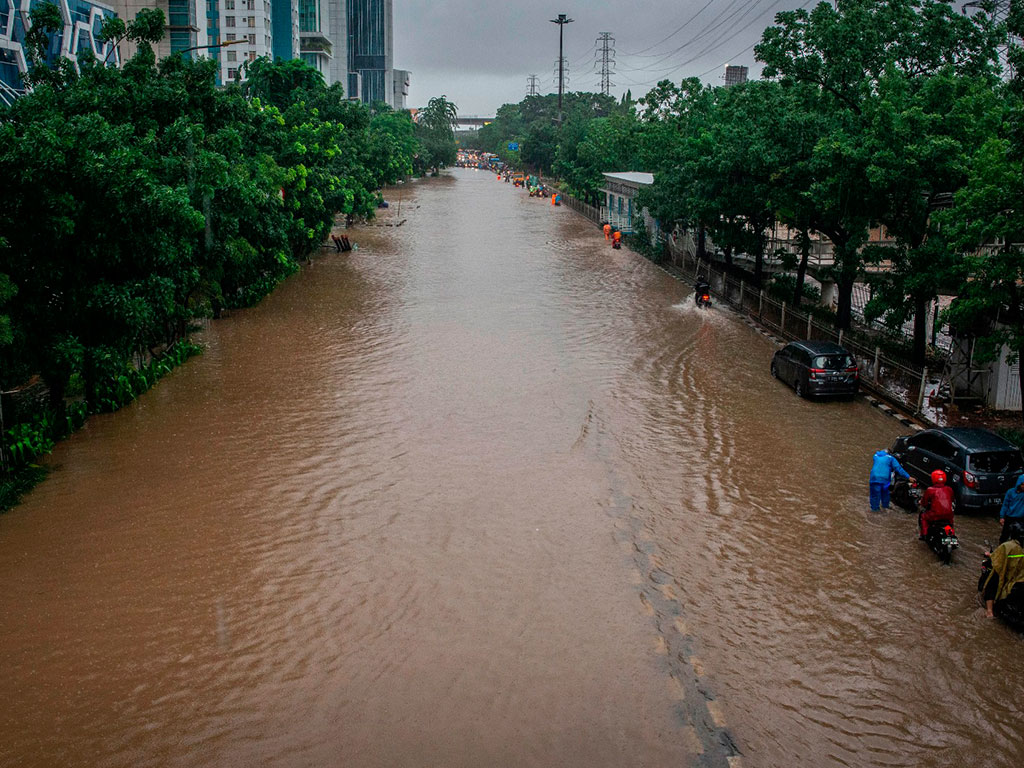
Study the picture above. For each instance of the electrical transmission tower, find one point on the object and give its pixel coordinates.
(561, 73)
(999, 10)
(605, 57)
(531, 85)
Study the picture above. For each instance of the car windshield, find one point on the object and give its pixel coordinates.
(999, 462)
(833, 362)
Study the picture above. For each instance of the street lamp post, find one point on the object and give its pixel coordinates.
(215, 45)
(561, 21)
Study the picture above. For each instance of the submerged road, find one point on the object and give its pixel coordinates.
(485, 492)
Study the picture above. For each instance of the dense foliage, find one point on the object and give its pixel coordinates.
(136, 200)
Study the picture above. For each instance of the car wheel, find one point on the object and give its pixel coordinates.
(799, 387)
(775, 371)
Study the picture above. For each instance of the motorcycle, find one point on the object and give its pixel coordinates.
(702, 295)
(906, 494)
(942, 540)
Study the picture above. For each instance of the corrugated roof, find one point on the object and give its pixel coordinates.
(632, 177)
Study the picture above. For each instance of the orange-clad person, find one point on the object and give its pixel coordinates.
(607, 231)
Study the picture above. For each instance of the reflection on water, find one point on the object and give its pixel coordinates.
(486, 492)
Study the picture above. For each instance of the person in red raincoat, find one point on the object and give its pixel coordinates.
(936, 504)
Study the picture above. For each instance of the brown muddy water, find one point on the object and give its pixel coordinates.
(486, 493)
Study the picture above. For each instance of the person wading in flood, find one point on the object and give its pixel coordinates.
(882, 469)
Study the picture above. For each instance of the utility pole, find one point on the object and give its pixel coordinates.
(561, 21)
(606, 57)
(531, 85)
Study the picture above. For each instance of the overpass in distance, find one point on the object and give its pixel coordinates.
(473, 120)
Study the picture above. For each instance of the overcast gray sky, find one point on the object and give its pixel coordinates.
(479, 52)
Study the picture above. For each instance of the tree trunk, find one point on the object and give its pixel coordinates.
(728, 258)
(702, 236)
(920, 329)
(846, 268)
(758, 267)
(844, 311)
(801, 269)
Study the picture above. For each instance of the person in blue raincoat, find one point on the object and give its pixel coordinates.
(882, 469)
(1011, 515)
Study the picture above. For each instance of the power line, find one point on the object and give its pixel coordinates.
(719, 23)
(674, 32)
(712, 46)
(605, 55)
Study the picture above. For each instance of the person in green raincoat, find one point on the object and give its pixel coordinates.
(1007, 572)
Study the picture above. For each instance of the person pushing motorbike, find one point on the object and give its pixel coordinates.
(936, 507)
(883, 465)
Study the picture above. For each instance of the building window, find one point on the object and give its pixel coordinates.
(232, 56)
(229, 36)
(251, 20)
(232, 73)
(252, 55)
(252, 39)
(229, 5)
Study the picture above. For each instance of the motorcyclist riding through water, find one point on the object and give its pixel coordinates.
(702, 293)
(936, 509)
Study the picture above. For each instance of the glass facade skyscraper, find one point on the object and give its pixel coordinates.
(371, 48)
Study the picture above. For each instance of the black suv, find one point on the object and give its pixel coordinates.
(816, 368)
(980, 466)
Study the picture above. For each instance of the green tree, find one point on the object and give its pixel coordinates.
(844, 52)
(921, 140)
(436, 133)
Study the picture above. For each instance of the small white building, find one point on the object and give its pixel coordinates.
(618, 198)
(996, 382)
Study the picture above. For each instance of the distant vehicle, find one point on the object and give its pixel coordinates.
(980, 465)
(815, 368)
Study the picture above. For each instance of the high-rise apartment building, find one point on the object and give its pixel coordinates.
(348, 41)
(315, 45)
(81, 31)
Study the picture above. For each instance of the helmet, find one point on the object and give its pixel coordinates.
(938, 477)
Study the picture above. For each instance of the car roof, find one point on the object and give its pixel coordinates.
(820, 347)
(976, 439)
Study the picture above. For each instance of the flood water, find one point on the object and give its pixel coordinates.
(485, 492)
